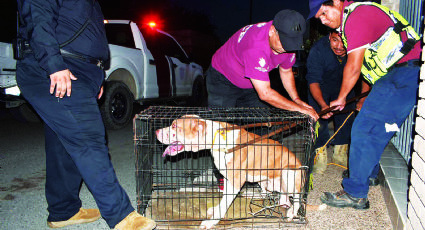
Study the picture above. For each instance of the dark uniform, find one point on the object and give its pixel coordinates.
(76, 148)
(324, 68)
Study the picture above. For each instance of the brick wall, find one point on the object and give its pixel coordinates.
(416, 205)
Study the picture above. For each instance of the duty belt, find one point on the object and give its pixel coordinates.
(91, 60)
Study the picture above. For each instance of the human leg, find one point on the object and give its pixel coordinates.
(387, 105)
(63, 180)
(77, 123)
(320, 153)
(221, 92)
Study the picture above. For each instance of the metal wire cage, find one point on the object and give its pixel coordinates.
(178, 189)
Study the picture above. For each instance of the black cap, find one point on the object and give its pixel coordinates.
(290, 26)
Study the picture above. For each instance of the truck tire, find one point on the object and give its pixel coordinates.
(117, 105)
(198, 92)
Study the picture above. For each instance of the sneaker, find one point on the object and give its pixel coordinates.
(341, 199)
(135, 221)
(372, 181)
(83, 216)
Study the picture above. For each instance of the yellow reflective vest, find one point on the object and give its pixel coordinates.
(387, 49)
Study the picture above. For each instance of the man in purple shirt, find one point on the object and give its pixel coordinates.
(239, 72)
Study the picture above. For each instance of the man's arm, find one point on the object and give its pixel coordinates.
(365, 88)
(316, 92)
(44, 14)
(271, 96)
(352, 72)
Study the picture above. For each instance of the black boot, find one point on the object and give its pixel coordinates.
(341, 199)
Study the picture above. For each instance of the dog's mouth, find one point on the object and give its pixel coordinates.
(173, 149)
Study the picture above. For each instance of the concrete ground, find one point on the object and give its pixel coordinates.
(22, 174)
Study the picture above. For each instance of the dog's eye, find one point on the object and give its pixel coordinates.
(174, 126)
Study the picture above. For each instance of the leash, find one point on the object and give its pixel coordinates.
(339, 112)
(268, 124)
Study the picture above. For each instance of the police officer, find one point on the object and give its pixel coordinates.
(60, 74)
(386, 51)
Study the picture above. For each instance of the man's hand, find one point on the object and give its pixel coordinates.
(326, 115)
(307, 109)
(338, 103)
(359, 105)
(61, 80)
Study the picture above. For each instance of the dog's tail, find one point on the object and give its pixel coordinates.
(311, 207)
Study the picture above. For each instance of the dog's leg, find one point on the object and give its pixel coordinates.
(291, 177)
(218, 212)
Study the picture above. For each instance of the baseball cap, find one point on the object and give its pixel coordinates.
(314, 7)
(290, 26)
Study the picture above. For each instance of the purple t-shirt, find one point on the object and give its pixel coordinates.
(247, 54)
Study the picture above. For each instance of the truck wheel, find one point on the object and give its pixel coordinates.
(25, 113)
(116, 106)
(198, 92)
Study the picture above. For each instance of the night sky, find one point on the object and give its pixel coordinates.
(225, 16)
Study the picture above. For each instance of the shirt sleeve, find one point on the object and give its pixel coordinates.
(315, 66)
(256, 65)
(361, 31)
(43, 41)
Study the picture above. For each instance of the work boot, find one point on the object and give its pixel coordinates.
(321, 160)
(341, 199)
(135, 221)
(83, 216)
(340, 155)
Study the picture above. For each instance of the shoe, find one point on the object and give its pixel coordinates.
(340, 155)
(83, 216)
(135, 221)
(321, 160)
(342, 199)
(372, 181)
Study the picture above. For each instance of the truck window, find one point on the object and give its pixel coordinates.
(172, 49)
(164, 45)
(119, 34)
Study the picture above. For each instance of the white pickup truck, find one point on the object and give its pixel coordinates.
(146, 66)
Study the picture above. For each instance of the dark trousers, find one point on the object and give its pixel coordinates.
(223, 93)
(76, 148)
(389, 103)
(343, 136)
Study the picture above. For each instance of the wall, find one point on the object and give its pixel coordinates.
(416, 204)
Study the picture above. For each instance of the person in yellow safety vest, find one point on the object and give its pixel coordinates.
(386, 50)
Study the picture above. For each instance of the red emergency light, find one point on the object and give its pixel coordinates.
(152, 24)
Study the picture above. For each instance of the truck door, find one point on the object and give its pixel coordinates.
(155, 43)
(179, 67)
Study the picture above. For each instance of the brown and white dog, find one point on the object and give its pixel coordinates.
(267, 161)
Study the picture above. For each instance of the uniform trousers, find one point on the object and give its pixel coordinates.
(75, 145)
(388, 104)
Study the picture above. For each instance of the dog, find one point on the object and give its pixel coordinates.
(265, 161)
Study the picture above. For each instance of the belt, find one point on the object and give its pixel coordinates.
(91, 60)
(414, 62)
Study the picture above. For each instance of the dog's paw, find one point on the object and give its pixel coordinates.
(208, 224)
